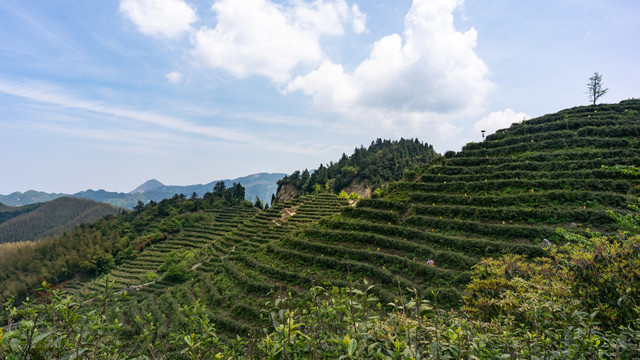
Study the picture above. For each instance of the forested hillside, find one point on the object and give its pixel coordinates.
(9, 212)
(32, 222)
(564, 178)
(367, 168)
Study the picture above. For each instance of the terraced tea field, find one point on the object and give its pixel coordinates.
(503, 195)
(227, 271)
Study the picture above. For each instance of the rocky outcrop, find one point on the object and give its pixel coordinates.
(362, 188)
(286, 193)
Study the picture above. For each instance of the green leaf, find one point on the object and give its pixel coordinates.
(189, 340)
(353, 344)
(40, 337)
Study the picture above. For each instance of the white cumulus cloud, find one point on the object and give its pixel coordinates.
(261, 37)
(174, 77)
(167, 18)
(430, 69)
(499, 120)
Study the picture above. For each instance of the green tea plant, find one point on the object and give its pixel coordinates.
(57, 325)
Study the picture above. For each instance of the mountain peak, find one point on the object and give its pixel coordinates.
(148, 185)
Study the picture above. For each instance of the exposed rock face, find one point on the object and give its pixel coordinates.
(286, 193)
(362, 188)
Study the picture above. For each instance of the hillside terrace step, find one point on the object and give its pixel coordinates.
(620, 186)
(208, 267)
(626, 129)
(202, 233)
(592, 141)
(121, 283)
(549, 197)
(424, 235)
(313, 215)
(528, 175)
(195, 241)
(170, 247)
(317, 209)
(182, 238)
(129, 270)
(377, 273)
(558, 155)
(186, 243)
(506, 231)
(384, 252)
(141, 266)
(150, 256)
(570, 122)
(510, 214)
(428, 236)
(230, 215)
(119, 274)
(492, 164)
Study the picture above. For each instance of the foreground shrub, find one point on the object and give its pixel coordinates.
(600, 278)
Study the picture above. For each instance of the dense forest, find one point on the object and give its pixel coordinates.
(32, 222)
(9, 212)
(381, 162)
(523, 246)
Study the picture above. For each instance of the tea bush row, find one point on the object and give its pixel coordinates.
(554, 144)
(529, 175)
(477, 164)
(452, 259)
(549, 198)
(547, 215)
(508, 231)
(465, 245)
(418, 269)
(618, 130)
(606, 185)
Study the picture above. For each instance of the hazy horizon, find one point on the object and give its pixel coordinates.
(134, 188)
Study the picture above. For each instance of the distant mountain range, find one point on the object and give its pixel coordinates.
(262, 185)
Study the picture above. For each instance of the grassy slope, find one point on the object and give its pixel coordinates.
(503, 195)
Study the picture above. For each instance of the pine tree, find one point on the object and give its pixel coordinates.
(594, 87)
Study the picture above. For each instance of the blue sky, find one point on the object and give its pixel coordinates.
(108, 94)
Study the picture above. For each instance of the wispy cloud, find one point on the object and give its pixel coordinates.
(48, 31)
(47, 93)
(170, 132)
